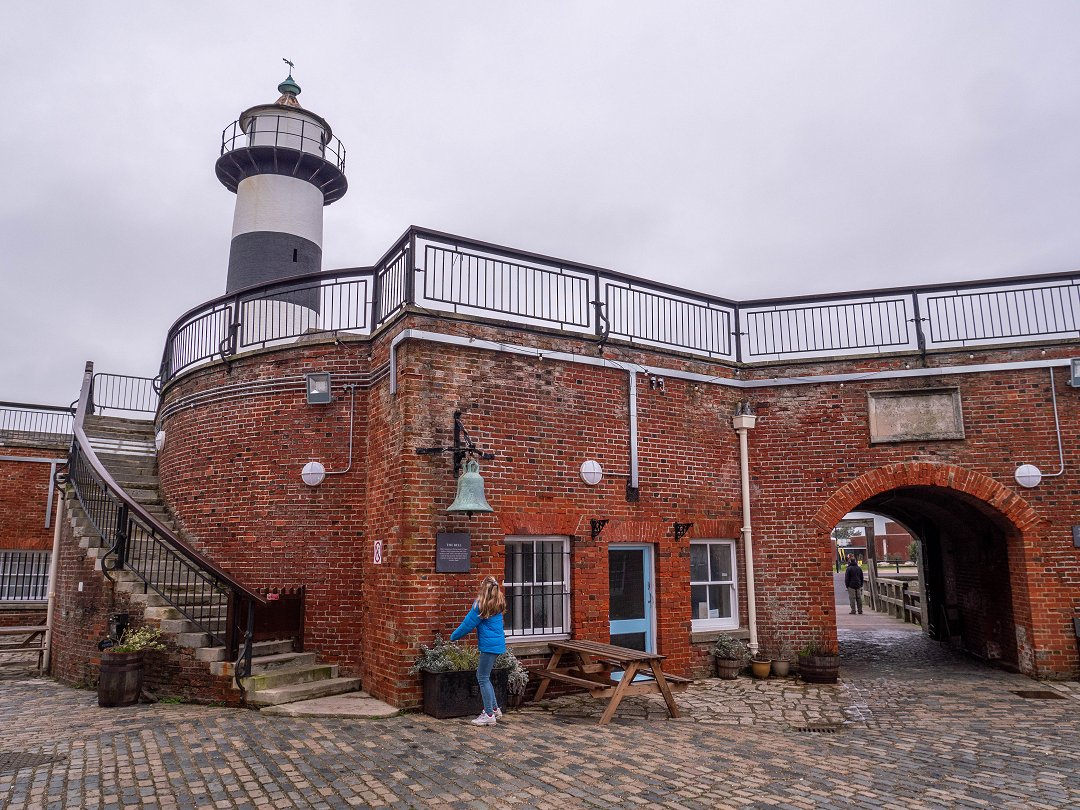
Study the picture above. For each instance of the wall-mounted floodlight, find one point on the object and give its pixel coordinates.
(313, 473)
(1028, 475)
(318, 387)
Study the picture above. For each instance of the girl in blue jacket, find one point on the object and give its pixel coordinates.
(486, 617)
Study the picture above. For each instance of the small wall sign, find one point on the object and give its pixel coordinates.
(378, 553)
(452, 551)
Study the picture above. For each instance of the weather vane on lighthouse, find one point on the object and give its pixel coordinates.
(290, 64)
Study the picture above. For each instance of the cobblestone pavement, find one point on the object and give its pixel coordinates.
(911, 724)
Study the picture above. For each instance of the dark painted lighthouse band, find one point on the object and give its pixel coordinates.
(260, 257)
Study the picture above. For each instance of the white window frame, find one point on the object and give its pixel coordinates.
(552, 632)
(727, 623)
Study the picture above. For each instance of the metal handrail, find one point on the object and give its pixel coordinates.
(122, 392)
(442, 272)
(118, 519)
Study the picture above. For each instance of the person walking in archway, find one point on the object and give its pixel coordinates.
(853, 581)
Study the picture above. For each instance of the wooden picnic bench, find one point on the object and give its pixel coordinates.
(24, 639)
(592, 665)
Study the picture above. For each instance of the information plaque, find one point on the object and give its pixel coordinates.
(452, 552)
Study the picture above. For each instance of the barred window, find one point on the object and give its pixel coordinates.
(537, 584)
(24, 576)
(713, 595)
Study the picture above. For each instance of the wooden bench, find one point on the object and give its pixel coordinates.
(593, 668)
(32, 641)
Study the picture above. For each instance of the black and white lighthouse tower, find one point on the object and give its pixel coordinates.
(284, 164)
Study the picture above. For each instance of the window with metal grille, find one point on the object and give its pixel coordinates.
(24, 576)
(537, 585)
(713, 593)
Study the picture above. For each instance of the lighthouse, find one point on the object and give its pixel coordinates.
(284, 165)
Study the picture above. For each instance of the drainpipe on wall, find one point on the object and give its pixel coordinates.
(54, 564)
(744, 421)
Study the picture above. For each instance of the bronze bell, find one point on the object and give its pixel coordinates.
(470, 491)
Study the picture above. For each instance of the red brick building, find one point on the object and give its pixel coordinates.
(34, 442)
(914, 404)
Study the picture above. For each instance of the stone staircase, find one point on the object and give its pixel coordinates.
(278, 675)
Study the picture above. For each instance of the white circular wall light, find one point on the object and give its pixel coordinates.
(1028, 475)
(313, 473)
(159, 440)
(591, 472)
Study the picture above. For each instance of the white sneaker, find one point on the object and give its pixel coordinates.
(484, 719)
(498, 713)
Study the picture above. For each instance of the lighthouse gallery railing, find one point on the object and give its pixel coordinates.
(445, 273)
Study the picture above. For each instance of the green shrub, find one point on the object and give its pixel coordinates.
(450, 656)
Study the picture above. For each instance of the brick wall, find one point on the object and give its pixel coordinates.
(24, 491)
(230, 472)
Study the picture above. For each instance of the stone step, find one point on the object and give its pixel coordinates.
(118, 422)
(150, 600)
(193, 640)
(268, 663)
(303, 691)
(259, 649)
(167, 612)
(288, 676)
(176, 626)
(356, 705)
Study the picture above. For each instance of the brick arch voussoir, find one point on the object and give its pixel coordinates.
(920, 473)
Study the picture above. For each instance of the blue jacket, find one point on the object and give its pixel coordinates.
(491, 638)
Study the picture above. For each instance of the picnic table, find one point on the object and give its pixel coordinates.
(32, 640)
(595, 667)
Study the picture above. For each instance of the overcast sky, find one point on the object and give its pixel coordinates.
(745, 149)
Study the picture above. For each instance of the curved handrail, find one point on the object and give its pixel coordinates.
(125, 512)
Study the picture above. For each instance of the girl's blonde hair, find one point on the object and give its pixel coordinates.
(490, 600)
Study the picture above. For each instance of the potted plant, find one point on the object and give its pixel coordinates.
(730, 655)
(448, 670)
(819, 663)
(761, 665)
(781, 664)
(121, 677)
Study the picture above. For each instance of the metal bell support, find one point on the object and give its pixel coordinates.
(470, 491)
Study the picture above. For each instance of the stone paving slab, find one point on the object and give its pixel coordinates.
(911, 724)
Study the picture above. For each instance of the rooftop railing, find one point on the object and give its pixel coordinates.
(444, 273)
(38, 421)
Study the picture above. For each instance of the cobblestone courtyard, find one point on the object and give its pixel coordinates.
(913, 725)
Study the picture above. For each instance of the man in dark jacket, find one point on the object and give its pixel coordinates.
(853, 581)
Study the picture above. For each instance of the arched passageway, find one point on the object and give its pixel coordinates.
(973, 580)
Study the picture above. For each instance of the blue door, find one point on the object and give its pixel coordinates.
(630, 591)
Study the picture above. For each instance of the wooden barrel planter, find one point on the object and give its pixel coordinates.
(120, 682)
(819, 668)
(728, 668)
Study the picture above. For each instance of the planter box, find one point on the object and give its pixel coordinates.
(457, 694)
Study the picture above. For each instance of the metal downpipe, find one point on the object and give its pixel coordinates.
(744, 422)
(54, 564)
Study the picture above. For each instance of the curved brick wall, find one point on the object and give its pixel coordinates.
(230, 471)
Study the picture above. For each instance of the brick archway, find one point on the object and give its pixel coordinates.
(1023, 535)
(927, 474)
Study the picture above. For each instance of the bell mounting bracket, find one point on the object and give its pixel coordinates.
(463, 446)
